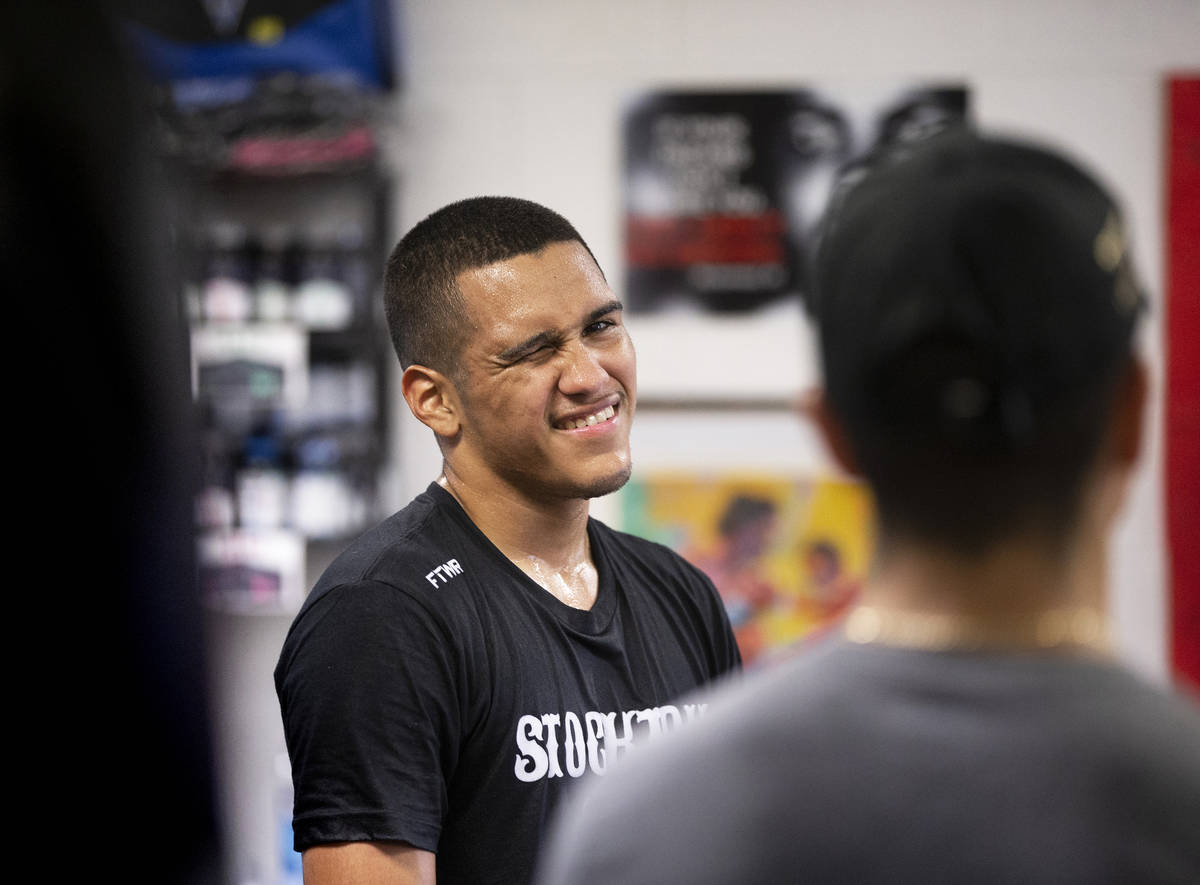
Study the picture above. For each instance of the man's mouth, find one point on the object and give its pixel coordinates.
(587, 420)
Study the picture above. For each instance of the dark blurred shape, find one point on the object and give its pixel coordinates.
(111, 695)
(976, 304)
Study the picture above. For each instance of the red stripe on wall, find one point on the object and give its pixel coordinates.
(1182, 412)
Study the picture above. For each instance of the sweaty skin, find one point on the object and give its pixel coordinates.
(537, 420)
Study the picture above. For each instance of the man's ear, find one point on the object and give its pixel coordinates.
(1128, 419)
(432, 399)
(815, 407)
(1122, 443)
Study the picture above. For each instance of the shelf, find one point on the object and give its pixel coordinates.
(290, 366)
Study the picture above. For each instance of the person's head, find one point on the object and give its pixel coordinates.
(425, 310)
(747, 523)
(514, 350)
(975, 306)
(823, 560)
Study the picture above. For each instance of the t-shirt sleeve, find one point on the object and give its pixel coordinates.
(366, 685)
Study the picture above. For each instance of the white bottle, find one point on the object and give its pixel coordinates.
(225, 284)
(323, 300)
(273, 295)
(262, 487)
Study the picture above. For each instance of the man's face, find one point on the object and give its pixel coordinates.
(548, 382)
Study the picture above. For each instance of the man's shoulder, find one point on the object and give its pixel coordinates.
(412, 549)
(388, 577)
(1147, 723)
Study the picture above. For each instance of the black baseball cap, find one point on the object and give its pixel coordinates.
(969, 288)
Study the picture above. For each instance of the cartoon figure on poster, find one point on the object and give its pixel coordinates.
(786, 554)
(733, 560)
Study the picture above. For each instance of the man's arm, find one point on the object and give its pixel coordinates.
(368, 703)
(368, 863)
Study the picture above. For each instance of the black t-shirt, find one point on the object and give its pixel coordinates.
(433, 694)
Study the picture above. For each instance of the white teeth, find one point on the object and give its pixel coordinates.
(591, 420)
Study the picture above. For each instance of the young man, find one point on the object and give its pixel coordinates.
(975, 307)
(466, 661)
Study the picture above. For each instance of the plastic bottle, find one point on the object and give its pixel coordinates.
(215, 502)
(323, 300)
(273, 294)
(225, 285)
(262, 487)
(322, 501)
(355, 264)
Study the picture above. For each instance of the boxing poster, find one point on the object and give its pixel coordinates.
(787, 553)
(722, 192)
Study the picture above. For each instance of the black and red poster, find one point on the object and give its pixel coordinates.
(722, 189)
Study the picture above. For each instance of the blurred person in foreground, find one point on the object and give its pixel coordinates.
(464, 663)
(976, 308)
(109, 707)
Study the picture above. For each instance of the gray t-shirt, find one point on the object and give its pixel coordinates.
(858, 764)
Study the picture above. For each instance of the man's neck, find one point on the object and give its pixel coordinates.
(1017, 594)
(547, 540)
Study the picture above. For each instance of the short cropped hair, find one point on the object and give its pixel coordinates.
(426, 313)
(975, 303)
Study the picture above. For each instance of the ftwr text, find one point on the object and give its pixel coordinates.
(444, 572)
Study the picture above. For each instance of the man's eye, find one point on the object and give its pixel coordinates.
(535, 353)
(600, 326)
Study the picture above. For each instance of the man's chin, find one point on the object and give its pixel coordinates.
(608, 484)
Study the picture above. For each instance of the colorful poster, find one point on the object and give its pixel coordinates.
(787, 554)
(722, 190)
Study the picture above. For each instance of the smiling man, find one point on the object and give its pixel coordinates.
(471, 658)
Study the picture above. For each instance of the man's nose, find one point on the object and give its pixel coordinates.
(582, 371)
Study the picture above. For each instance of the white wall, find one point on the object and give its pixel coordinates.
(524, 97)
